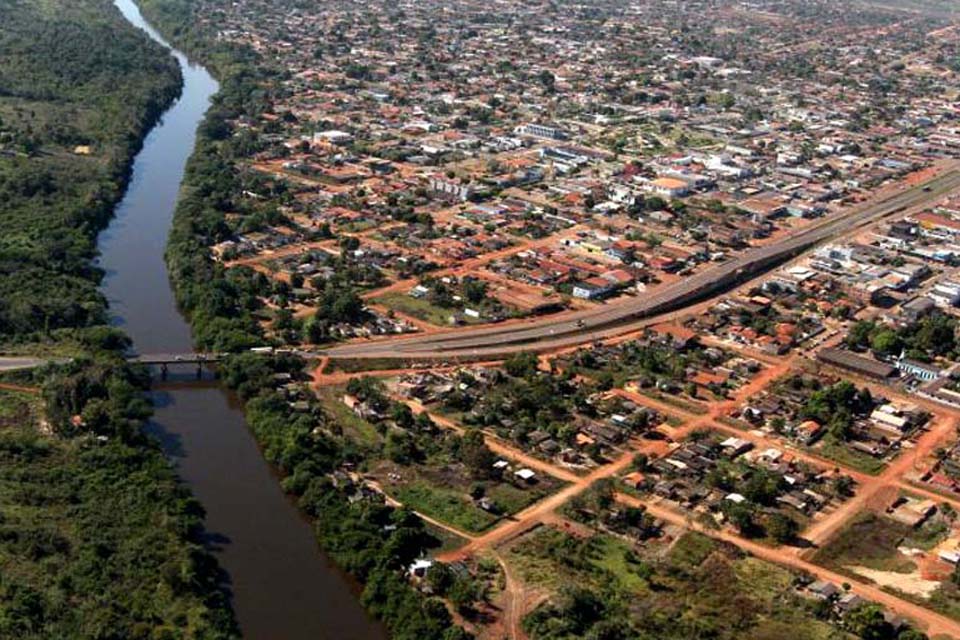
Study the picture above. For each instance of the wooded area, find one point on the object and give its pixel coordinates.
(98, 538)
(78, 90)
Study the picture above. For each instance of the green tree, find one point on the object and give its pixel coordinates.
(464, 593)
(741, 515)
(474, 290)
(440, 578)
(521, 365)
(401, 448)
(867, 621)
(476, 455)
(886, 343)
(402, 415)
(782, 528)
(547, 79)
(762, 487)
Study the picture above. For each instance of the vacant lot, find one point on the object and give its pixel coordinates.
(869, 541)
(442, 489)
(870, 547)
(353, 425)
(842, 454)
(671, 590)
(418, 308)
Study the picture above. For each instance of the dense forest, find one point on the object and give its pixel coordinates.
(98, 539)
(78, 90)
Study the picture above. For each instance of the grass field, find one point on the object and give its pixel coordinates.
(417, 308)
(848, 457)
(353, 425)
(441, 490)
(615, 557)
(447, 505)
(689, 406)
(870, 541)
(448, 541)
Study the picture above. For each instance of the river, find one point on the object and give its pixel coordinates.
(282, 587)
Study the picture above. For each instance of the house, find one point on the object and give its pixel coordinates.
(487, 505)
(419, 568)
(856, 363)
(593, 289)
(681, 338)
(763, 207)
(451, 188)
(535, 438)
(540, 131)
(734, 447)
(917, 369)
(669, 187)
(848, 602)
(618, 277)
(582, 440)
(823, 590)
(665, 489)
(945, 294)
(527, 475)
(549, 447)
(419, 291)
(889, 418)
(333, 137)
(796, 500)
(634, 480)
(917, 308)
(911, 511)
(809, 430)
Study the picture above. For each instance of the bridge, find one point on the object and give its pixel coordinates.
(166, 360)
(608, 320)
(162, 359)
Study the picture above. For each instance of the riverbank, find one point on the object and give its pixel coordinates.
(375, 543)
(279, 583)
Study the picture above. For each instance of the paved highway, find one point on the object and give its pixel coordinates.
(618, 317)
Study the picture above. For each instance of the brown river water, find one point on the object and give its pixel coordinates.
(282, 586)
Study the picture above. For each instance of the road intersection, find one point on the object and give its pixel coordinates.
(867, 488)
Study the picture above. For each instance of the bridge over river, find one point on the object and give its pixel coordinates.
(163, 359)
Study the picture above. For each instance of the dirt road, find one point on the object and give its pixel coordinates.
(534, 514)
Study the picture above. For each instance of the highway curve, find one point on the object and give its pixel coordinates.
(619, 317)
